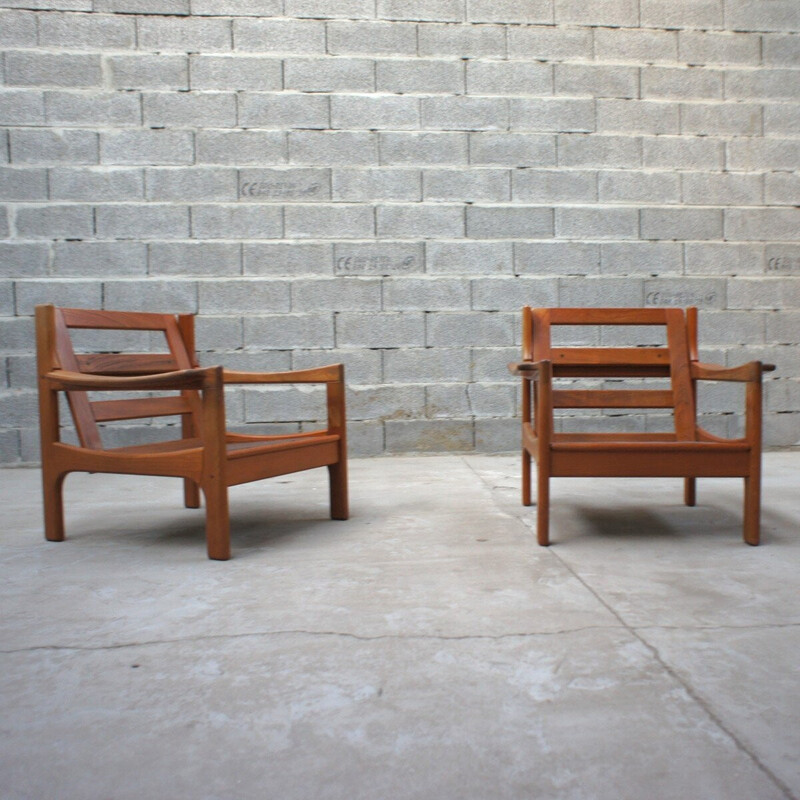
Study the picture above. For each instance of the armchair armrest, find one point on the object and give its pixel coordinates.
(328, 374)
(526, 369)
(714, 372)
(178, 380)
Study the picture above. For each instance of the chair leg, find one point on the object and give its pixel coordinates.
(526, 478)
(690, 491)
(542, 506)
(337, 479)
(752, 509)
(52, 490)
(218, 526)
(191, 494)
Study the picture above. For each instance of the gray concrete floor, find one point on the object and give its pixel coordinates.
(426, 648)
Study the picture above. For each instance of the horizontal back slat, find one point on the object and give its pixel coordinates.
(613, 398)
(607, 316)
(611, 356)
(108, 410)
(115, 320)
(126, 364)
(610, 371)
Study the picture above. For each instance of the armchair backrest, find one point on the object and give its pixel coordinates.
(670, 360)
(55, 350)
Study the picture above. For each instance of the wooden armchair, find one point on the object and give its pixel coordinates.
(206, 456)
(688, 451)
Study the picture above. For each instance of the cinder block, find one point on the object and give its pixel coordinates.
(750, 293)
(444, 401)
(510, 11)
(780, 50)
(681, 223)
(29, 294)
(469, 329)
(782, 189)
(490, 363)
(320, 9)
(427, 365)
(225, 334)
(23, 260)
(378, 258)
(333, 147)
(426, 294)
(422, 10)
(375, 112)
(729, 328)
(104, 108)
(164, 297)
(423, 148)
(600, 292)
(512, 149)
(185, 35)
(597, 223)
(509, 222)
(763, 154)
(682, 82)
(233, 8)
(39, 146)
(5, 229)
(465, 113)
(783, 327)
(583, 150)
(21, 107)
(464, 41)
(53, 222)
(509, 77)
(87, 31)
(337, 294)
(329, 74)
(703, 47)
(751, 15)
(469, 258)
(17, 333)
(641, 46)
(713, 119)
(558, 43)
(552, 114)
(556, 258)
(663, 152)
(428, 435)
(703, 14)
(154, 221)
(241, 147)
(377, 184)
(632, 186)
(281, 36)
(504, 294)
(554, 186)
(96, 185)
(497, 435)
(683, 292)
(17, 29)
(4, 154)
(101, 259)
(710, 258)
(420, 221)
(372, 38)
(236, 72)
(762, 224)
(191, 184)
(19, 409)
(149, 72)
(9, 447)
(170, 7)
(236, 221)
(265, 185)
(722, 189)
(329, 221)
(599, 12)
(292, 258)
(283, 111)
(195, 258)
(26, 68)
(147, 147)
(420, 76)
(385, 402)
(242, 296)
(641, 258)
(491, 400)
(365, 438)
(596, 80)
(20, 183)
(637, 116)
(360, 366)
(479, 185)
(405, 329)
(191, 109)
(6, 307)
(781, 119)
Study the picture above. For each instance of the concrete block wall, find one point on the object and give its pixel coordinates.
(385, 183)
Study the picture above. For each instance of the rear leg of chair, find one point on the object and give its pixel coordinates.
(191, 494)
(542, 506)
(53, 494)
(337, 478)
(690, 491)
(526, 478)
(752, 509)
(218, 526)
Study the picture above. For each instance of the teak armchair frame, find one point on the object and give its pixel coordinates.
(688, 452)
(206, 456)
